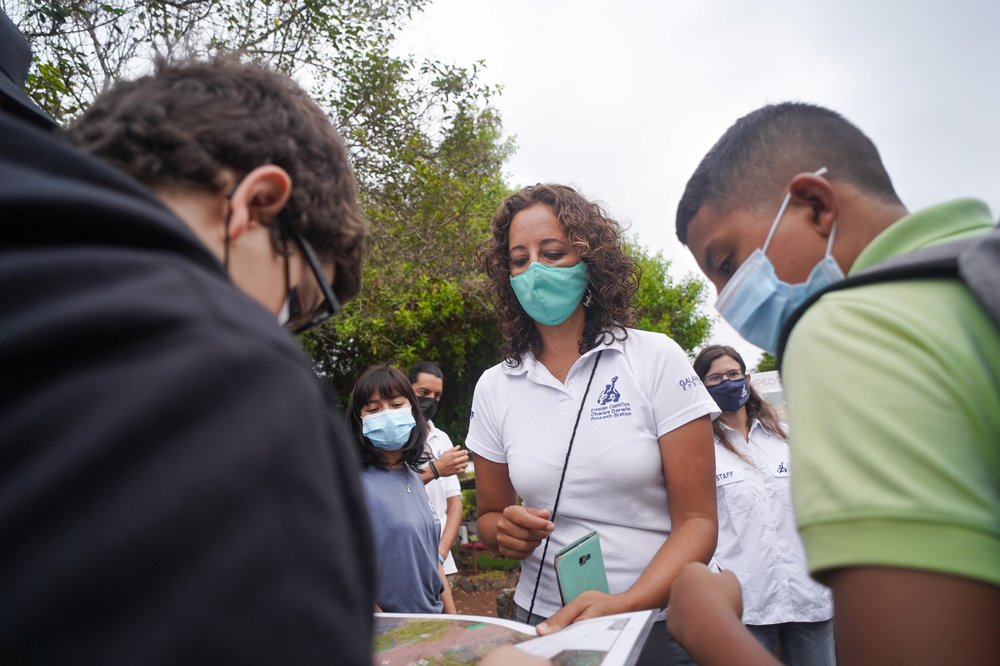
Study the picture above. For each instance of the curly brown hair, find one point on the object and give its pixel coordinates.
(614, 276)
(187, 122)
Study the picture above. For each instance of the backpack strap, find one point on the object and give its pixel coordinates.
(979, 268)
(975, 260)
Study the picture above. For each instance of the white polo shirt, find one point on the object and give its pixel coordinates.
(758, 539)
(439, 490)
(523, 417)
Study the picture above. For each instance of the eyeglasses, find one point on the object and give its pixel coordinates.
(330, 305)
(719, 377)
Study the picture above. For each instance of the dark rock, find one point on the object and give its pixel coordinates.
(505, 604)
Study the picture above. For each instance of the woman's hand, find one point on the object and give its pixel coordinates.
(587, 605)
(520, 529)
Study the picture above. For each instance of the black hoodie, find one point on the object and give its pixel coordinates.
(174, 485)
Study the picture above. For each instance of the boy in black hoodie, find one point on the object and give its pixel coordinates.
(174, 487)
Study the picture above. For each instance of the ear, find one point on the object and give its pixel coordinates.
(817, 193)
(258, 198)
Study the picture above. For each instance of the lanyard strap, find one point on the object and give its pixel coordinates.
(562, 477)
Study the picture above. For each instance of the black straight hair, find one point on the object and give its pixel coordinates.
(427, 368)
(751, 164)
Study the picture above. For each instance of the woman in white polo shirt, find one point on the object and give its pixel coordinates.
(783, 607)
(641, 467)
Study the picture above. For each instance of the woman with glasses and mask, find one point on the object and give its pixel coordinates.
(384, 416)
(783, 607)
(595, 425)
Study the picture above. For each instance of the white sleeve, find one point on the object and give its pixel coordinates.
(484, 434)
(451, 486)
(677, 395)
(439, 442)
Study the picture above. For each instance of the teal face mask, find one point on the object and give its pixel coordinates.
(549, 294)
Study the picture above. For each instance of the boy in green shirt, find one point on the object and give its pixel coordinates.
(893, 390)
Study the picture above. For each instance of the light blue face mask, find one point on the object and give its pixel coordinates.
(390, 429)
(756, 303)
(550, 294)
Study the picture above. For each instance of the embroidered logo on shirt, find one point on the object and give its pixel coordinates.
(610, 394)
(610, 403)
(691, 382)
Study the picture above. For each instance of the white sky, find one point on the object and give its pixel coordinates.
(622, 99)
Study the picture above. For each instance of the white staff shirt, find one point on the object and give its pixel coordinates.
(522, 417)
(758, 539)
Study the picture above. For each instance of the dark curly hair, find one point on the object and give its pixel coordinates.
(184, 124)
(387, 382)
(614, 276)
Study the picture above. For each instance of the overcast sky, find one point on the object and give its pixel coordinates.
(622, 99)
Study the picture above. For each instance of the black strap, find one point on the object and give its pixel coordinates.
(562, 477)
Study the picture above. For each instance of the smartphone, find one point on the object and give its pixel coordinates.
(580, 567)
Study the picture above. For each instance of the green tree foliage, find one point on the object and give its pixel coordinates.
(667, 306)
(766, 363)
(83, 46)
(427, 147)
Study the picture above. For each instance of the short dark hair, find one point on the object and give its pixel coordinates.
(184, 124)
(614, 275)
(756, 157)
(387, 382)
(426, 367)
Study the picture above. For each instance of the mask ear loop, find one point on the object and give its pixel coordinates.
(225, 227)
(777, 219)
(781, 213)
(283, 230)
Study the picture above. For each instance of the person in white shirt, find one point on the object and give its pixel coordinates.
(440, 474)
(641, 468)
(785, 609)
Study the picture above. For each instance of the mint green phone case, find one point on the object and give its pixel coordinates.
(580, 567)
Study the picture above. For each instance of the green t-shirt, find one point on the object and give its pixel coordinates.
(893, 395)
